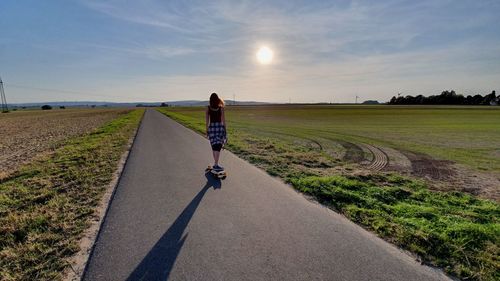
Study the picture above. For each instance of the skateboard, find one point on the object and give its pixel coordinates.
(220, 174)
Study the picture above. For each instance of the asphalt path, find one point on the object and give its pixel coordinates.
(168, 220)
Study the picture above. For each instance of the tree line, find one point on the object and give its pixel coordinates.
(448, 98)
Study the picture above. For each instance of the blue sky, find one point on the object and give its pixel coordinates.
(174, 50)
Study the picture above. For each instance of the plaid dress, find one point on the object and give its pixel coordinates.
(217, 133)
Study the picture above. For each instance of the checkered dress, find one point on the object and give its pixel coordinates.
(217, 133)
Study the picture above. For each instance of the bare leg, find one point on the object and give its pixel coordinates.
(216, 156)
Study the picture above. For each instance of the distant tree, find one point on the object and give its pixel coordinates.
(164, 104)
(370, 102)
(62, 107)
(139, 105)
(448, 98)
(419, 99)
(46, 107)
(477, 99)
(489, 99)
(92, 106)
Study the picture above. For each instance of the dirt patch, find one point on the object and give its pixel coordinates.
(26, 135)
(398, 162)
(481, 184)
(354, 153)
(496, 153)
(426, 167)
(316, 143)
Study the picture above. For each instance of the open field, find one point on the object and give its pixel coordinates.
(46, 205)
(26, 134)
(454, 148)
(405, 173)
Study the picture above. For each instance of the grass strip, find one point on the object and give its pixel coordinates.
(452, 230)
(46, 205)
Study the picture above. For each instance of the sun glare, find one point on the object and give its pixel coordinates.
(265, 55)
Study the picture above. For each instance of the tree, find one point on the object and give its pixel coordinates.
(490, 99)
(370, 102)
(46, 107)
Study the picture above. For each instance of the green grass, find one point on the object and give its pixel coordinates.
(46, 205)
(454, 230)
(467, 135)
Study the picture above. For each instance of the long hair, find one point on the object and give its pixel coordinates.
(215, 101)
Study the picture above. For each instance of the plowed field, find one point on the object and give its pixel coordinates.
(27, 134)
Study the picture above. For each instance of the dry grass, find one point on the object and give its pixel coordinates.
(46, 205)
(27, 134)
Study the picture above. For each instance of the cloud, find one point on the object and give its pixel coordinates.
(324, 49)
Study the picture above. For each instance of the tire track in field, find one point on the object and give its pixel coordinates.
(380, 158)
(354, 152)
(320, 147)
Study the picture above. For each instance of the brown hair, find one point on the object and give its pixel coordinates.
(215, 101)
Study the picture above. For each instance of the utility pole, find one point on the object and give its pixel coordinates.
(5, 108)
(234, 99)
(357, 99)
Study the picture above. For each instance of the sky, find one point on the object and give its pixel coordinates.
(324, 51)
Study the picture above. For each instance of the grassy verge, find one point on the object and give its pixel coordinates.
(46, 205)
(453, 230)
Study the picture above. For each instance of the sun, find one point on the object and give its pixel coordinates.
(265, 55)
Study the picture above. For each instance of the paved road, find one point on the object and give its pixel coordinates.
(169, 221)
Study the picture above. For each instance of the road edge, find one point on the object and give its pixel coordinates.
(78, 262)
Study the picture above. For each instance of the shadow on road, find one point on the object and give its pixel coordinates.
(158, 263)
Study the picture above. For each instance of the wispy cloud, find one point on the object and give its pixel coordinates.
(324, 49)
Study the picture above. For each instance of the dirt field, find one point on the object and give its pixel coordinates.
(28, 134)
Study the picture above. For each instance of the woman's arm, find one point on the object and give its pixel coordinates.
(223, 118)
(207, 121)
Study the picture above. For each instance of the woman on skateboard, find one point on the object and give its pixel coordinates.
(216, 127)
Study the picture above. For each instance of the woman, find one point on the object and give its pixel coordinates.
(216, 127)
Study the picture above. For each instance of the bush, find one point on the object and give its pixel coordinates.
(46, 107)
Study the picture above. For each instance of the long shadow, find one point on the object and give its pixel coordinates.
(158, 263)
